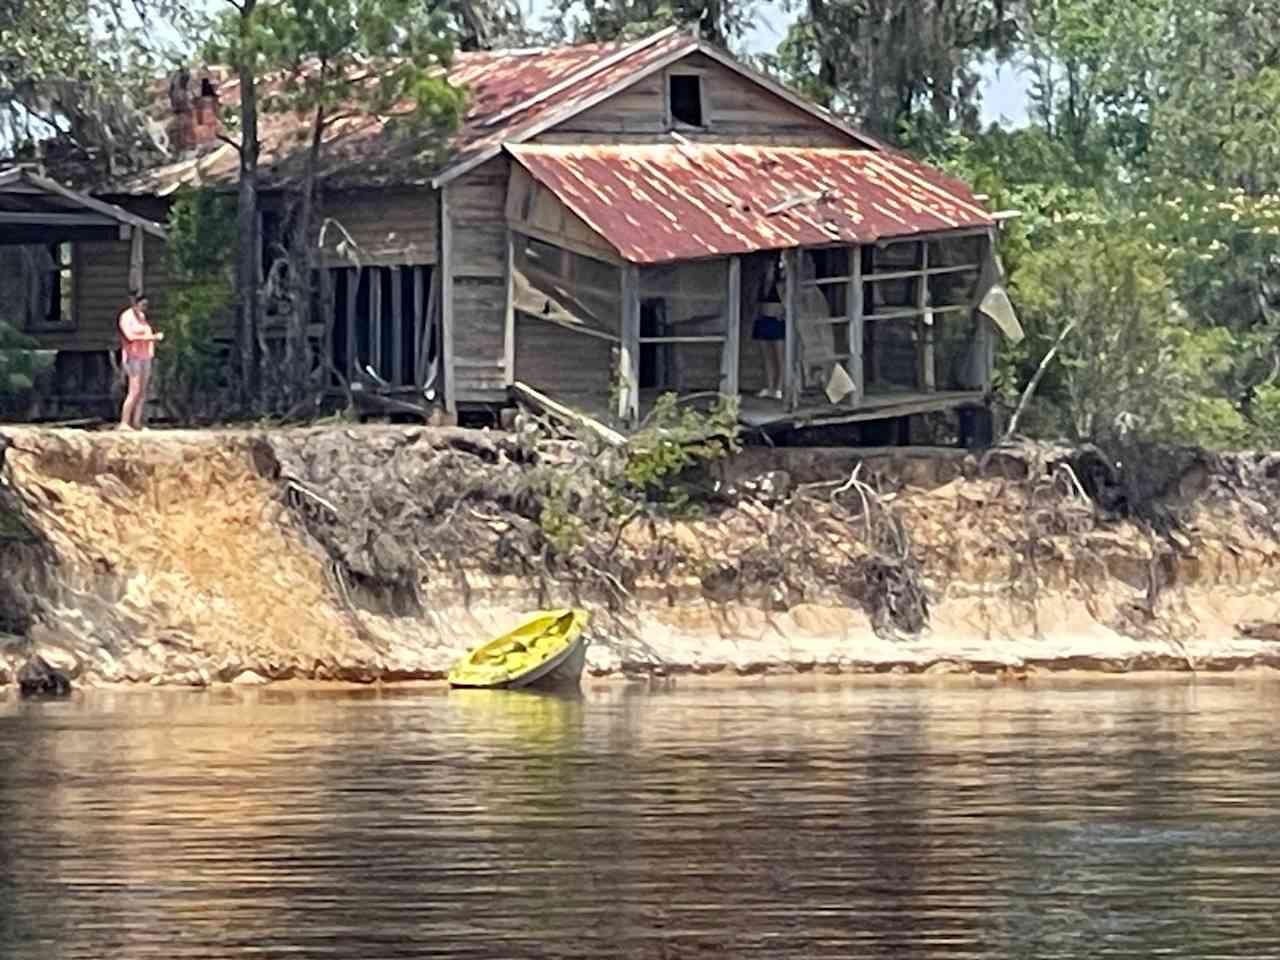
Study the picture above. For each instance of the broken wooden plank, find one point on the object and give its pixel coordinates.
(797, 200)
(375, 319)
(729, 359)
(353, 344)
(566, 414)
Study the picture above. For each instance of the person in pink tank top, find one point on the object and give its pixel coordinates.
(138, 347)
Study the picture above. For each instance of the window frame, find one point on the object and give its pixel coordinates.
(704, 102)
(64, 308)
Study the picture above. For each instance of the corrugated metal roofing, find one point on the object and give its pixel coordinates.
(683, 202)
(510, 93)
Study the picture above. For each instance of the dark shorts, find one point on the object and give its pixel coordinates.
(768, 328)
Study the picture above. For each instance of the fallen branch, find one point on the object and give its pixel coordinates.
(1035, 382)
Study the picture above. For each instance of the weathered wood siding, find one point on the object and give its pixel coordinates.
(561, 363)
(535, 211)
(100, 274)
(476, 286)
(737, 111)
(392, 227)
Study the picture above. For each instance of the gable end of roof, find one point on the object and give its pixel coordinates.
(575, 107)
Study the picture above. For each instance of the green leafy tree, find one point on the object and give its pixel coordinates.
(191, 373)
(21, 360)
(896, 64)
(1131, 362)
(81, 70)
(325, 61)
(723, 22)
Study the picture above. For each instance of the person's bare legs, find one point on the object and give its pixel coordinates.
(777, 354)
(770, 364)
(130, 402)
(140, 405)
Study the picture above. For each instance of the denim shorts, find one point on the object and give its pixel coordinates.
(137, 366)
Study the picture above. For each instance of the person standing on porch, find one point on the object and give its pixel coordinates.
(769, 329)
(138, 347)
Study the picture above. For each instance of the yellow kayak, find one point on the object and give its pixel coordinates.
(548, 647)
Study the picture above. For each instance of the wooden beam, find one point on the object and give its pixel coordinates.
(567, 414)
(853, 303)
(446, 302)
(419, 322)
(327, 312)
(137, 262)
(428, 329)
(509, 316)
(924, 326)
(729, 357)
(353, 344)
(397, 329)
(375, 319)
(24, 234)
(791, 343)
(35, 219)
(566, 243)
(629, 354)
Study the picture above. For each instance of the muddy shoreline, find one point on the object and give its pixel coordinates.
(379, 554)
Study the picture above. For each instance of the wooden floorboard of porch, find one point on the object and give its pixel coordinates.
(758, 413)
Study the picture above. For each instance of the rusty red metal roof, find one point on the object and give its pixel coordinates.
(684, 202)
(511, 93)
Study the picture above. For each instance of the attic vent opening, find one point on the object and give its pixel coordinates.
(685, 94)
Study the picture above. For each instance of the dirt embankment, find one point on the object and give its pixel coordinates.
(384, 552)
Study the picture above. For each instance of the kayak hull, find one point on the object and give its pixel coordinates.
(547, 650)
(561, 672)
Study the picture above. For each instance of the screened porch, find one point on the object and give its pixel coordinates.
(870, 331)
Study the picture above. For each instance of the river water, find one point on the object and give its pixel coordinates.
(1127, 819)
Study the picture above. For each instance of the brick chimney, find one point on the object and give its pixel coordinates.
(193, 121)
(207, 125)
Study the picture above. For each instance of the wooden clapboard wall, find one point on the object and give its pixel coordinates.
(735, 110)
(100, 280)
(474, 250)
(390, 227)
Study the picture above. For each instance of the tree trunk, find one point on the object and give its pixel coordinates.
(297, 346)
(249, 257)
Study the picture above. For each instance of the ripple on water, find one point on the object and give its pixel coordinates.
(1126, 820)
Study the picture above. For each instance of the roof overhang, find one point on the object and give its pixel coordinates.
(664, 203)
(32, 205)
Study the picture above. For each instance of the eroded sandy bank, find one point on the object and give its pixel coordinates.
(381, 553)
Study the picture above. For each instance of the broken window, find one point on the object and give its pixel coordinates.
(61, 286)
(685, 95)
(684, 309)
(50, 273)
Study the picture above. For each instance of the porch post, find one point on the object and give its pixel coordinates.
(854, 304)
(137, 258)
(509, 317)
(791, 352)
(729, 359)
(925, 323)
(629, 354)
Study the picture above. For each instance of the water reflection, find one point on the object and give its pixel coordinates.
(1123, 820)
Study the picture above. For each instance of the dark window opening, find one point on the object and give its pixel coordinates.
(655, 358)
(385, 340)
(58, 287)
(686, 99)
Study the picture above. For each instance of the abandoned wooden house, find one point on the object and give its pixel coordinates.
(604, 230)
